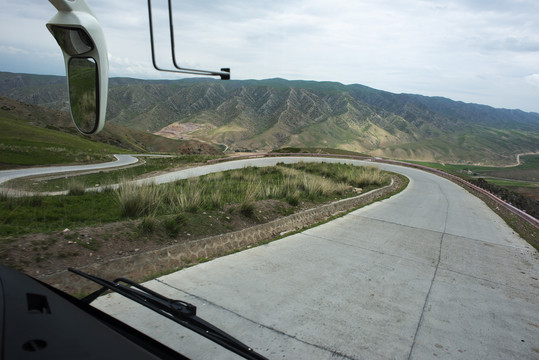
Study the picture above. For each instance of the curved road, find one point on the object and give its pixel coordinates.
(429, 273)
(121, 160)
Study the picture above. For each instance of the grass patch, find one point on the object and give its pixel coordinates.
(171, 227)
(22, 144)
(466, 171)
(148, 224)
(529, 162)
(102, 178)
(316, 150)
(138, 201)
(240, 189)
(502, 188)
(52, 213)
(174, 224)
(513, 183)
(90, 244)
(247, 209)
(76, 188)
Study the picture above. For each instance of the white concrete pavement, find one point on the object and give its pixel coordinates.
(121, 160)
(429, 273)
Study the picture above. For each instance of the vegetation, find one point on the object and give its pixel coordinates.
(269, 114)
(359, 177)
(181, 202)
(519, 180)
(521, 202)
(528, 162)
(148, 165)
(522, 192)
(33, 135)
(317, 182)
(22, 144)
(21, 215)
(317, 150)
(137, 201)
(76, 188)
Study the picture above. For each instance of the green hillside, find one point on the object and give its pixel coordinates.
(24, 144)
(262, 115)
(32, 135)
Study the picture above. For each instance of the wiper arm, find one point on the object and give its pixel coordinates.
(178, 311)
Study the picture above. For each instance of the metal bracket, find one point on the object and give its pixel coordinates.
(224, 73)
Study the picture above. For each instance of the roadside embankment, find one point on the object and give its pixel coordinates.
(142, 266)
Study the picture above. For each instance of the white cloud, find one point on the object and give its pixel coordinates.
(10, 50)
(123, 66)
(471, 50)
(533, 80)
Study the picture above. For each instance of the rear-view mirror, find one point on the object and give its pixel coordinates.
(81, 39)
(83, 93)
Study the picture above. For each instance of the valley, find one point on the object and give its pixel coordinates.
(264, 115)
(216, 118)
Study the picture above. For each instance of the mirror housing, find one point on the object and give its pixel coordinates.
(82, 41)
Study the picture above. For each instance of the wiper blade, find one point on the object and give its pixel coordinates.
(178, 311)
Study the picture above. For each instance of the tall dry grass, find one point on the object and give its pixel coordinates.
(246, 186)
(311, 184)
(75, 188)
(138, 200)
(186, 195)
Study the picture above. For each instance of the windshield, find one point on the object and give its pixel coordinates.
(362, 187)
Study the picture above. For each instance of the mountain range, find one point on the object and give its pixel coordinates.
(21, 131)
(262, 115)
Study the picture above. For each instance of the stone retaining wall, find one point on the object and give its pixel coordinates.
(142, 266)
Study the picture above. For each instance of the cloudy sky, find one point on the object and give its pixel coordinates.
(482, 51)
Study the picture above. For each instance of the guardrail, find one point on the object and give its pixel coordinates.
(476, 190)
(484, 194)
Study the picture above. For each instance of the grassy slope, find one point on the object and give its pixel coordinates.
(106, 177)
(33, 135)
(22, 144)
(310, 182)
(479, 145)
(266, 114)
(522, 179)
(528, 162)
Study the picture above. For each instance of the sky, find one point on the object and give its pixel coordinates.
(478, 51)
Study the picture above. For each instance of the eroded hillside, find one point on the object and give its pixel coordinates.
(267, 114)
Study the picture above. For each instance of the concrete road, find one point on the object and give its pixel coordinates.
(431, 273)
(121, 160)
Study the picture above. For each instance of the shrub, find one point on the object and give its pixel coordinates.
(148, 224)
(214, 200)
(368, 175)
(527, 204)
(137, 201)
(76, 188)
(247, 209)
(173, 224)
(32, 201)
(293, 199)
(186, 198)
(253, 190)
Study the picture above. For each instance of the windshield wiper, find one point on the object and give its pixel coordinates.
(178, 311)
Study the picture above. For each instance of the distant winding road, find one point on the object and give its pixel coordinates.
(121, 160)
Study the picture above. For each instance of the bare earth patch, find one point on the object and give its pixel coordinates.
(42, 254)
(178, 131)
